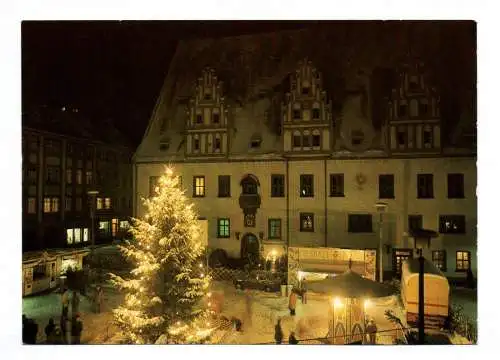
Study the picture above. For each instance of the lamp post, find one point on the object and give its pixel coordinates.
(381, 207)
(92, 194)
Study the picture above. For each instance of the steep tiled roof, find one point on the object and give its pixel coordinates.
(255, 73)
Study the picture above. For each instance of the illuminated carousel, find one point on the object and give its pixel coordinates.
(350, 295)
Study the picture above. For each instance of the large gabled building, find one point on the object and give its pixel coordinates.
(277, 151)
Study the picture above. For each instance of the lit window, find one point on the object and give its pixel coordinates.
(79, 177)
(99, 203)
(306, 186)
(69, 236)
(274, 228)
(31, 205)
(306, 222)
(46, 205)
(78, 235)
(199, 186)
(114, 226)
(88, 177)
(463, 260)
(85, 234)
(439, 259)
(124, 225)
(107, 203)
(104, 227)
(55, 204)
(223, 228)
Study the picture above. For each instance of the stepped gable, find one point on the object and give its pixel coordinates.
(255, 73)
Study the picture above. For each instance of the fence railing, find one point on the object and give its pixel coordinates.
(225, 274)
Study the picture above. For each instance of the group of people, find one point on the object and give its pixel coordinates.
(278, 335)
(70, 327)
(30, 330)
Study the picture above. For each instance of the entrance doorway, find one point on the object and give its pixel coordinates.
(250, 249)
(398, 256)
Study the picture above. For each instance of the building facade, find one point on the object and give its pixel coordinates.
(280, 167)
(59, 171)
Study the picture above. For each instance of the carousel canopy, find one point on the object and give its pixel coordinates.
(350, 285)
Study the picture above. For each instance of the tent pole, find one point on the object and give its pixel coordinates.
(421, 308)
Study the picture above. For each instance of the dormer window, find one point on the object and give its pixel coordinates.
(164, 145)
(199, 119)
(427, 138)
(401, 138)
(255, 141)
(357, 137)
(423, 108)
(413, 85)
(315, 114)
(216, 118)
(403, 110)
(306, 140)
(316, 140)
(297, 140)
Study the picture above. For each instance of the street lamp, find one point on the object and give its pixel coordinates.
(92, 194)
(381, 207)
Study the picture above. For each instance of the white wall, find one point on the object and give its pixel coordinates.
(356, 200)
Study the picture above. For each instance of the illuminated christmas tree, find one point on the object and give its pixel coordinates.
(166, 293)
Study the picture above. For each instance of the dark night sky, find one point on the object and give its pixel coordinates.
(110, 69)
(114, 70)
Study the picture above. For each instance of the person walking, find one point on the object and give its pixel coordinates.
(76, 329)
(371, 329)
(65, 302)
(304, 292)
(278, 332)
(292, 302)
(292, 340)
(50, 332)
(75, 304)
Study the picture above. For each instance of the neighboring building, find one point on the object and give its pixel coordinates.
(60, 166)
(272, 159)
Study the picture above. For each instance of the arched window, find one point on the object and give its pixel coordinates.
(249, 185)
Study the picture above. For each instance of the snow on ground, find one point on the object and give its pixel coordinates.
(310, 322)
(97, 328)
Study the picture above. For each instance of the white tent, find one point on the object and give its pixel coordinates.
(436, 291)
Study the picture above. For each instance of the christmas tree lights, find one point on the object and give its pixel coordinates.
(168, 288)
